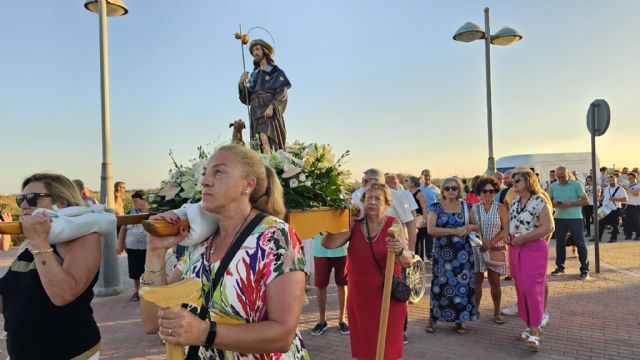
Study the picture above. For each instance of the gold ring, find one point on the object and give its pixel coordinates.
(170, 332)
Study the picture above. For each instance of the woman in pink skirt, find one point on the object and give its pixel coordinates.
(530, 224)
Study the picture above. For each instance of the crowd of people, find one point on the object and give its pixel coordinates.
(495, 225)
(511, 216)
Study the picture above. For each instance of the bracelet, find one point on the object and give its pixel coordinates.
(41, 251)
(145, 282)
(211, 336)
(153, 271)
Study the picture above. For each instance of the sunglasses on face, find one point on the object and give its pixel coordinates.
(517, 181)
(450, 188)
(488, 191)
(31, 198)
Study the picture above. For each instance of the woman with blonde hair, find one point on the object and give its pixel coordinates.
(46, 294)
(366, 261)
(530, 224)
(453, 297)
(250, 309)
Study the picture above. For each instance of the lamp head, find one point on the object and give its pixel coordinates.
(506, 36)
(469, 32)
(114, 7)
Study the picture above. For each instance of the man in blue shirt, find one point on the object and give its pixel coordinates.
(568, 197)
(432, 195)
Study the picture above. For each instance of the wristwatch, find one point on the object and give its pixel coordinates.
(211, 336)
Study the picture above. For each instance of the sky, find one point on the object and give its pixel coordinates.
(383, 79)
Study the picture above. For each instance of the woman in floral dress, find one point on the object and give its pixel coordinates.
(453, 297)
(254, 311)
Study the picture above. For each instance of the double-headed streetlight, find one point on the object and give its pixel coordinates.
(109, 278)
(506, 36)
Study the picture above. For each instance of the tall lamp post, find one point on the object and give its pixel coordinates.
(506, 36)
(109, 278)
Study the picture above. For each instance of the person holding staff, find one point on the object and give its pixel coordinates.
(255, 307)
(366, 258)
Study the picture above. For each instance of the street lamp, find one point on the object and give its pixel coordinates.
(506, 36)
(109, 278)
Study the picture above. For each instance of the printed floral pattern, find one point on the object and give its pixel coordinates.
(453, 296)
(272, 250)
(524, 220)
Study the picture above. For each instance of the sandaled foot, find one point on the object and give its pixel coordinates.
(533, 343)
(460, 329)
(498, 319)
(430, 328)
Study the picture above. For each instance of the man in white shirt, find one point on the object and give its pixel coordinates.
(632, 211)
(612, 197)
(393, 183)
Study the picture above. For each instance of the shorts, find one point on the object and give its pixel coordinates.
(135, 260)
(323, 266)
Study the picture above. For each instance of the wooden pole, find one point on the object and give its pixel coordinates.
(384, 309)
(393, 232)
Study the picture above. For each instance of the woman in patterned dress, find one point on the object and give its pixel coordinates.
(366, 237)
(453, 297)
(254, 311)
(530, 224)
(492, 217)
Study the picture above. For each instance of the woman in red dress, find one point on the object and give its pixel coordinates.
(368, 237)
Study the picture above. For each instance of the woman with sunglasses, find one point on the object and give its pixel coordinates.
(366, 260)
(530, 224)
(453, 297)
(46, 294)
(492, 218)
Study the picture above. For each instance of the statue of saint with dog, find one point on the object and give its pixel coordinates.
(265, 91)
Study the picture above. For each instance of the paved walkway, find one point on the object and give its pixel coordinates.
(596, 319)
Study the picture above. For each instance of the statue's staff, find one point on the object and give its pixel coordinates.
(244, 40)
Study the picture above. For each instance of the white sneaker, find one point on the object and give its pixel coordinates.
(545, 320)
(510, 311)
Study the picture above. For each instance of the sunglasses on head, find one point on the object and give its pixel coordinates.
(488, 191)
(450, 188)
(31, 198)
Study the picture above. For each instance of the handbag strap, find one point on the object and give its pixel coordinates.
(373, 255)
(466, 212)
(192, 354)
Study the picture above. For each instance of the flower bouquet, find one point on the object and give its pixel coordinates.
(182, 186)
(311, 176)
(314, 183)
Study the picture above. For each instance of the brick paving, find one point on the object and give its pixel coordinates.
(595, 319)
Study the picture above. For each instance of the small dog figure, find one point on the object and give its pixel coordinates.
(237, 126)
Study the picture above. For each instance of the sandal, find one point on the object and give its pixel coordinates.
(460, 329)
(431, 327)
(524, 335)
(498, 319)
(533, 343)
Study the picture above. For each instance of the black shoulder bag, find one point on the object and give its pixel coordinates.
(400, 291)
(192, 354)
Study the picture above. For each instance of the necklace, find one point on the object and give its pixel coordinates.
(375, 237)
(521, 208)
(212, 246)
